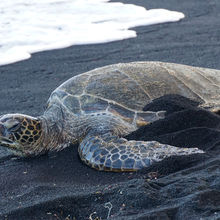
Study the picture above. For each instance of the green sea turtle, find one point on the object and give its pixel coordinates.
(98, 108)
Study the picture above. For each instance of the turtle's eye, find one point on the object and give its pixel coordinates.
(15, 127)
(12, 125)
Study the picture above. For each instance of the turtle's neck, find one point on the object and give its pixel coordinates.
(54, 137)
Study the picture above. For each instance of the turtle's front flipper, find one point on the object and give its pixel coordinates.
(111, 153)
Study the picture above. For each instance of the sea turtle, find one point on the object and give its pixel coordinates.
(98, 108)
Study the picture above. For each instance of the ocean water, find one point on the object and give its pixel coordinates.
(29, 26)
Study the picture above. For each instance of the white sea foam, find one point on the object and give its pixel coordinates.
(28, 26)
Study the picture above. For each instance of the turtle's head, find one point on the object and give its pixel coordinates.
(20, 133)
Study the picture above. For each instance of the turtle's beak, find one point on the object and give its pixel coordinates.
(10, 145)
(5, 141)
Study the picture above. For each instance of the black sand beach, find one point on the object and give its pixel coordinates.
(59, 186)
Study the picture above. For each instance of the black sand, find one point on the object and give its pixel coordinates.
(59, 186)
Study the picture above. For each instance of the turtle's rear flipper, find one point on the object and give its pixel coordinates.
(145, 117)
(111, 153)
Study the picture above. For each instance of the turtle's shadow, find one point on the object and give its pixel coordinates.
(171, 103)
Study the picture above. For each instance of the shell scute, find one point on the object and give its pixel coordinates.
(117, 87)
(58, 94)
(56, 97)
(90, 104)
(199, 82)
(75, 85)
(122, 112)
(157, 80)
(72, 103)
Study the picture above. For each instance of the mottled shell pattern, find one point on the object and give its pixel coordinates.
(126, 88)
